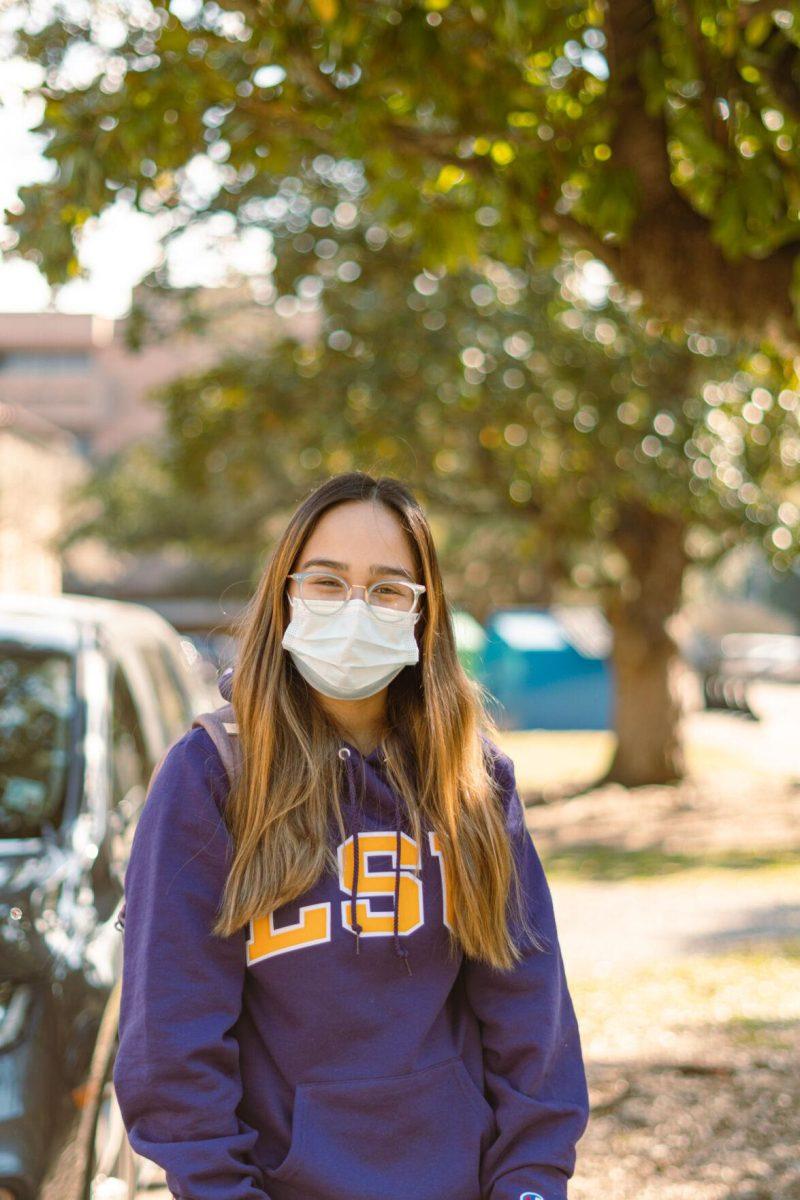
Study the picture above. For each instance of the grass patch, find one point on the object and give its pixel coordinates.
(590, 860)
(551, 760)
(759, 1033)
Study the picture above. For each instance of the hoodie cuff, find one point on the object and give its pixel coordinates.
(531, 1183)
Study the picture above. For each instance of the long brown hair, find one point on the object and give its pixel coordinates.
(291, 779)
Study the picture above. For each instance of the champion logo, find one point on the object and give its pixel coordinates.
(531, 1196)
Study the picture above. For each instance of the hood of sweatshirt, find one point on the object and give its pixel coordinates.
(361, 770)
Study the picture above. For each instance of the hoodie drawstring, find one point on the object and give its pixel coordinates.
(400, 950)
(344, 753)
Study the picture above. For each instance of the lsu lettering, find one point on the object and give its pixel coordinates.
(314, 920)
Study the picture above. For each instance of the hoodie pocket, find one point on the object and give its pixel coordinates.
(420, 1134)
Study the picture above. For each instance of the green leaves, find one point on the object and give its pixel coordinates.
(552, 116)
(608, 201)
(521, 403)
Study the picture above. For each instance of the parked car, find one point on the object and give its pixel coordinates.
(91, 694)
(729, 664)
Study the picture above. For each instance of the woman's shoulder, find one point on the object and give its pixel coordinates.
(190, 772)
(501, 766)
(181, 821)
(500, 763)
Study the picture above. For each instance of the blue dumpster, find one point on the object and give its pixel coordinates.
(549, 668)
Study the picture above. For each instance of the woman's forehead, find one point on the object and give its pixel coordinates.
(360, 534)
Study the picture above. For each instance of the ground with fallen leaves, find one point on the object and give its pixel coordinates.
(679, 918)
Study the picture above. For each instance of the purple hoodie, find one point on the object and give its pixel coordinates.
(333, 1051)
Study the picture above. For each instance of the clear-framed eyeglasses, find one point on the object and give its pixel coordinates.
(325, 593)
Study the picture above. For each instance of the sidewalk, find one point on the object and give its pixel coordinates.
(609, 926)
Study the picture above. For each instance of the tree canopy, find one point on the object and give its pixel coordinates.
(533, 401)
(661, 135)
(562, 443)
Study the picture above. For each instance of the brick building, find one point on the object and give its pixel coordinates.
(74, 370)
(71, 393)
(39, 464)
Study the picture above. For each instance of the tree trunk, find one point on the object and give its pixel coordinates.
(645, 661)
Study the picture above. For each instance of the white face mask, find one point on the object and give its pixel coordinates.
(350, 654)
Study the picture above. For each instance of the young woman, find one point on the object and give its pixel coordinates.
(342, 977)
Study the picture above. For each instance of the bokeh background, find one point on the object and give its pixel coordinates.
(539, 260)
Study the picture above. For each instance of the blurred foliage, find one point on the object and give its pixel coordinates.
(531, 410)
(662, 135)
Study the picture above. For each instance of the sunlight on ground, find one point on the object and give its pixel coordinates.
(654, 1010)
(692, 1077)
(549, 759)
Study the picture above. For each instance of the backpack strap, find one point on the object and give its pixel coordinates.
(222, 727)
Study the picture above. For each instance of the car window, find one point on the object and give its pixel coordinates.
(37, 738)
(128, 752)
(169, 696)
(173, 671)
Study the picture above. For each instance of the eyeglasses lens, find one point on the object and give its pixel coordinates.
(325, 593)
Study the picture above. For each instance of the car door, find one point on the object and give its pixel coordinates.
(129, 767)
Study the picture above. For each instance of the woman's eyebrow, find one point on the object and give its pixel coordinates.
(375, 569)
(383, 569)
